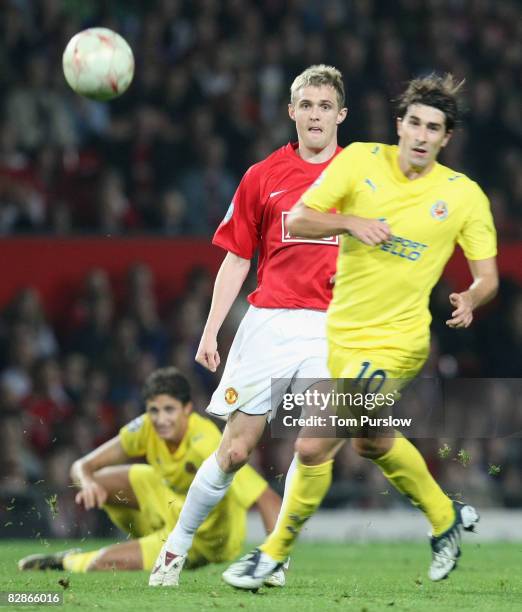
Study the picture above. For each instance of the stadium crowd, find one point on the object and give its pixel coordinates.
(67, 386)
(209, 98)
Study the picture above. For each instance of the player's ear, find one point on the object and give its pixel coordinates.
(341, 116)
(447, 138)
(399, 126)
(291, 111)
(187, 408)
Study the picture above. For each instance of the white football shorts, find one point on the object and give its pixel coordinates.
(271, 343)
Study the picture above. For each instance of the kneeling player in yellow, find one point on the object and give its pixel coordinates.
(145, 499)
(378, 320)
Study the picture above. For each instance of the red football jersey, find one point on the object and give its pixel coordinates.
(292, 272)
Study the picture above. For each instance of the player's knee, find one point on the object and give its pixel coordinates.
(311, 451)
(235, 456)
(371, 448)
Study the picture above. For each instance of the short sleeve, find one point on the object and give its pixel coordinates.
(133, 437)
(337, 182)
(240, 230)
(248, 486)
(478, 237)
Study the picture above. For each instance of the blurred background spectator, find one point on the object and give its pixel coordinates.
(208, 100)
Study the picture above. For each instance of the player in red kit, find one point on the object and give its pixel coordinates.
(283, 333)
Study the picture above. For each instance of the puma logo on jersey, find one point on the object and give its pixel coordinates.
(372, 185)
(286, 236)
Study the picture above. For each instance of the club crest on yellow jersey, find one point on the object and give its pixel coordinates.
(439, 210)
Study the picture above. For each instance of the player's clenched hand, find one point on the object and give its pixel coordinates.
(462, 316)
(207, 354)
(368, 231)
(91, 495)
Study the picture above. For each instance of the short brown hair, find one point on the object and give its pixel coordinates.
(318, 75)
(438, 91)
(167, 381)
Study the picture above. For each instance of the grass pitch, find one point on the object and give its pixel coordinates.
(323, 577)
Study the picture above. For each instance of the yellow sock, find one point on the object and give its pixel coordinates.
(309, 485)
(79, 562)
(405, 468)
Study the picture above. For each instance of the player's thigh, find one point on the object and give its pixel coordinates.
(372, 372)
(159, 505)
(122, 556)
(115, 480)
(271, 347)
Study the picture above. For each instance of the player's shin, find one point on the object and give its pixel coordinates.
(307, 487)
(207, 489)
(407, 471)
(288, 480)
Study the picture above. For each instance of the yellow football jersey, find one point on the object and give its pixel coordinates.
(139, 439)
(382, 293)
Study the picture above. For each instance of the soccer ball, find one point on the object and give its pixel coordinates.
(98, 64)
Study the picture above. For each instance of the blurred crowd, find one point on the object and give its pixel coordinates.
(68, 385)
(209, 98)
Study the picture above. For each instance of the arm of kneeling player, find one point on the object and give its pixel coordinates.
(92, 494)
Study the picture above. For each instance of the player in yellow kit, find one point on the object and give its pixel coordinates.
(401, 213)
(145, 499)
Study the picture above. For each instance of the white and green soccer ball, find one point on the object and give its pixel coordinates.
(98, 64)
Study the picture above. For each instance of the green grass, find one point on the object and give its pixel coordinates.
(361, 577)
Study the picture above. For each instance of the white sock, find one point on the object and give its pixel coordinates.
(207, 489)
(288, 480)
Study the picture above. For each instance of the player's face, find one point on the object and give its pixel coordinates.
(169, 417)
(422, 134)
(316, 113)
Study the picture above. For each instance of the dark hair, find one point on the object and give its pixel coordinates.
(434, 90)
(167, 381)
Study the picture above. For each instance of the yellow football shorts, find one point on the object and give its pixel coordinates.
(220, 537)
(372, 364)
(376, 370)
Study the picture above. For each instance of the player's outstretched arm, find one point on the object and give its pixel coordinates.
(482, 290)
(229, 280)
(92, 494)
(309, 223)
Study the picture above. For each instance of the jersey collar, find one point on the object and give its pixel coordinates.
(401, 177)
